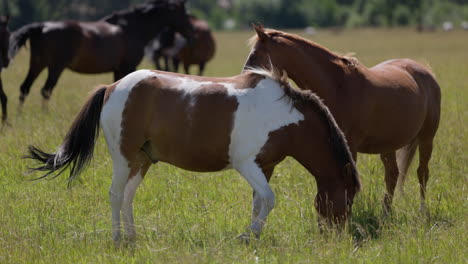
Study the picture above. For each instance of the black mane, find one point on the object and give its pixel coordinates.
(307, 98)
(121, 16)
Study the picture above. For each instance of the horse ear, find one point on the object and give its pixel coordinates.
(260, 31)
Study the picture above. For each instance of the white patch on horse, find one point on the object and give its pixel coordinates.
(261, 110)
(111, 114)
(50, 26)
(111, 123)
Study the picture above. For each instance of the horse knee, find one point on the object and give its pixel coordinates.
(269, 198)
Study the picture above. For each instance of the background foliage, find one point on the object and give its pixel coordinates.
(273, 13)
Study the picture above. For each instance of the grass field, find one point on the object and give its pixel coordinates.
(186, 217)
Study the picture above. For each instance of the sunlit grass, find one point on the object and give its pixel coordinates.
(188, 217)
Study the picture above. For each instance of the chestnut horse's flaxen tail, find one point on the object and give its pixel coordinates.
(404, 157)
(77, 147)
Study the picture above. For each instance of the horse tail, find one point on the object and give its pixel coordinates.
(404, 158)
(19, 37)
(77, 147)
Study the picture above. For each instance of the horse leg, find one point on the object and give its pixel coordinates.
(186, 68)
(166, 63)
(52, 78)
(201, 68)
(34, 70)
(391, 178)
(175, 63)
(264, 199)
(256, 202)
(3, 100)
(135, 177)
(425, 152)
(121, 171)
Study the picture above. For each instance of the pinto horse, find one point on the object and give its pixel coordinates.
(4, 60)
(113, 44)
(388, 109)
(249, 122)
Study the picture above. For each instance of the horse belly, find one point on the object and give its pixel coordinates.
(392, 126)
(97, 56)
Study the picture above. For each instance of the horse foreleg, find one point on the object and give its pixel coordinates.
(391, 178)
(256, 202)
(264, 199)
(425, 152)
(3, 100)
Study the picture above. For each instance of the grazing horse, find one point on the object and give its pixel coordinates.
(4, 60)
(173, 46)
(113, 44)
(249, 122)
(388, 109)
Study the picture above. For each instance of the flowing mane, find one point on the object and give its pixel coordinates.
(303, 42)
(307, 98)
(116, 17)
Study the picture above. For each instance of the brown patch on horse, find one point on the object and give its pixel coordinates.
(173, 129)
(110, 90)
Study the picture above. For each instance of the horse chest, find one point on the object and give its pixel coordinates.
(261, 110)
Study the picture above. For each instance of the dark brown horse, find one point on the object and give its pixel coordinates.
(4, 60)
(249, 123)
(388, 109)
(113, 44)
(172, 46)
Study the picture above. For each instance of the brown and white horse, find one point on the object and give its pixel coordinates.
(388, 109)
(249, 122)
(113, 44)
(4, 60)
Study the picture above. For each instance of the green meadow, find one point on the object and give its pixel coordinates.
(187, 217)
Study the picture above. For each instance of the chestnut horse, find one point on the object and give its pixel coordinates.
(249, 122)
(172, 46)
(388, 109)
(113, 44)
(4, 60)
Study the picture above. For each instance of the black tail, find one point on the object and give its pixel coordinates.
(77, 148)
(20, 36)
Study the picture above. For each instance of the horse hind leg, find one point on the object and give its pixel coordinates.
(391, 177)
(425, 152)
(201, 68)
(34, 70)
(136, 175)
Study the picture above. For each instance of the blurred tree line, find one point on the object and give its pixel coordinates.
(273, 13)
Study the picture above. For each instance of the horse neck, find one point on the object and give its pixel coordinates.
(314, 149)
(313, 68)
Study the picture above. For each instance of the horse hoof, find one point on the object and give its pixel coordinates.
(246, 238)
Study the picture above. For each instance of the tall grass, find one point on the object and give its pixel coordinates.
(188, 217)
